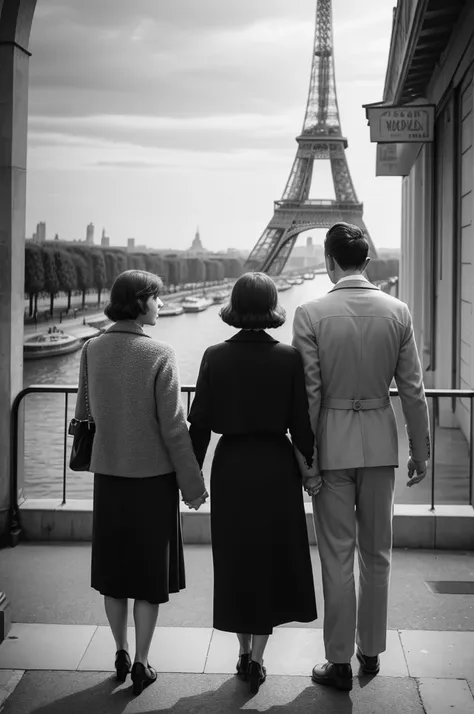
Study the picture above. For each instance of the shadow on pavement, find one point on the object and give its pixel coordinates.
(231, 696)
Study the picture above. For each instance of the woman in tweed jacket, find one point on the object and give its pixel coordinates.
(142, 455)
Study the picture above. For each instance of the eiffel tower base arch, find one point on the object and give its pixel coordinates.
(278, 240)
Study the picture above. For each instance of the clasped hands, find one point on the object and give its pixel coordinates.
(312, 480)
(198, 502)
(312, 485)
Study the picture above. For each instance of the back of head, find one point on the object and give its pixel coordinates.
(346, 244)
(254, 304)
(129, 294)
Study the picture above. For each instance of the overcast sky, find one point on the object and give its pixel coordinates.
(151, 117)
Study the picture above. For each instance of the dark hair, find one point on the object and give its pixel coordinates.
(130, 293)
(254, 304)
(347, 245)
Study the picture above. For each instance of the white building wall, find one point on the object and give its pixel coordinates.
(466, 238)
(413, 263)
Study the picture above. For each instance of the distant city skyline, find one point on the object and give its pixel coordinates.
(162, 116)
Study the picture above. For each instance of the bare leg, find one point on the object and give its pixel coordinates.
(259, 642)
(145, 615)
(245, 643)
(117, 614)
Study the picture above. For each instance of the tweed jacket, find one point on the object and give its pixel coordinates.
(135, 400)
(353, 342)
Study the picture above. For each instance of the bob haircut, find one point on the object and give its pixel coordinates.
(254, 304)
(130, 293)
(347, 245)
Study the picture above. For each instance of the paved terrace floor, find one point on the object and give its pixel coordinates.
(58, 658)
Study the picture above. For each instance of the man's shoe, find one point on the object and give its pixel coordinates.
(333, 675)
(370, 665)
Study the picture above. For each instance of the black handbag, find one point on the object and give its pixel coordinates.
(83, 431)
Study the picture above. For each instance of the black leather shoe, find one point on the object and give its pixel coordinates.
(123, 665)
(333, 675)
(257, 674)
(242, 666)
(142, 677)
(370, 665)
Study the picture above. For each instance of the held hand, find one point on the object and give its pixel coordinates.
(197, 503)
(312, 485)
(420, 467)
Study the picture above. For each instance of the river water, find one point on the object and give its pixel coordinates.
(189, 334)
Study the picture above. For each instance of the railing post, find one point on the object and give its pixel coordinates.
(65, 445)
(433, 452)
(471, 450)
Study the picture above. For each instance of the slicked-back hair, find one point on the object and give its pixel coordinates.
(130, 293)
(254, 304)
(347, 245)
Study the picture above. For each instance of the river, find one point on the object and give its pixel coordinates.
(189, 334)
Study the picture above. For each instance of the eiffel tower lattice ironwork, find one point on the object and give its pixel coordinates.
(320, 139)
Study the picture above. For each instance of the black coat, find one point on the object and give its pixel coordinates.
(251, 384)
(251, 389)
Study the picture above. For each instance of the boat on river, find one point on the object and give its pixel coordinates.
(53, 343)
(171, 309)
(282, 285)
(219, 297)
(296, 280)
(195, 304)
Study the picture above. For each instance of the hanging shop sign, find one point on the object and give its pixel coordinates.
(396, 159)
(400, 125)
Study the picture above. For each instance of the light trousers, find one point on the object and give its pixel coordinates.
(355, 506)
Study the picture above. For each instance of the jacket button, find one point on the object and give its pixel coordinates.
(356, 405)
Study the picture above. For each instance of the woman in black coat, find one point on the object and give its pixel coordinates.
(251, 389)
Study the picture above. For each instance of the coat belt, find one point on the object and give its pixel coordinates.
(356, 404)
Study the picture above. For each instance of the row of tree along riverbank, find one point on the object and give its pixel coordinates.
(55, 266)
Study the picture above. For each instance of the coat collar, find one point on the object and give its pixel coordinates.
(252, 336)
(127, 326)
(356, 283)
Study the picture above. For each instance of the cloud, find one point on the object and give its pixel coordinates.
(130, 165)
(210, 92)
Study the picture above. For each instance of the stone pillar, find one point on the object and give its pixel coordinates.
(15, 24)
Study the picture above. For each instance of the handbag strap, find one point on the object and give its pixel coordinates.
(86, 385)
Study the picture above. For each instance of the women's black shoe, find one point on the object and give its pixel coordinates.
(257, 674)
(123, 665)
(243, 665)
(142, 677)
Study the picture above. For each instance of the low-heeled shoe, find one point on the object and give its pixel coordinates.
(141, 678)
(257, 674)
(370, 665)
(123, 665)
(242, 666)
(333, 675)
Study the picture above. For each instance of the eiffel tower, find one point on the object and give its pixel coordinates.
(320, 139)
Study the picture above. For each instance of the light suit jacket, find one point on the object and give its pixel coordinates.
(353, 342)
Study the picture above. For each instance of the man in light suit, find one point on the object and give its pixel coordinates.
(353, 342)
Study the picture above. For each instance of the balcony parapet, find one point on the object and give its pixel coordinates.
(414, 526)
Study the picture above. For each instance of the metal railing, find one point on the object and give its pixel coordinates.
(14, 518)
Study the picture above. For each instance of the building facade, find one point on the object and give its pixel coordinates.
(431, 68)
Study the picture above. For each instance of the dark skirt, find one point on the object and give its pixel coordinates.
(137, 549)
(262, 565)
